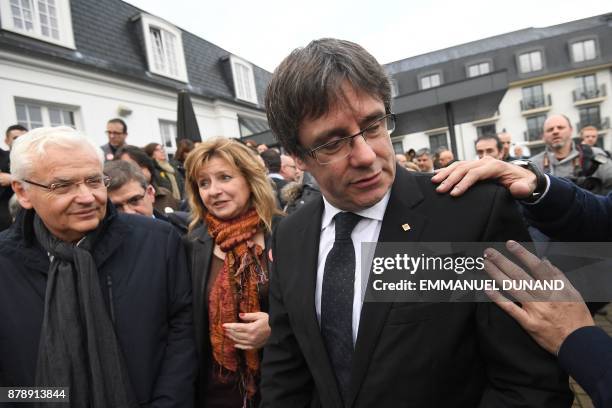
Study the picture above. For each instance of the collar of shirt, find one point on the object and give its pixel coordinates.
(375, 212)
(276, 176)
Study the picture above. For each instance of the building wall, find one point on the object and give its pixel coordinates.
(96, 98)
(560, 88)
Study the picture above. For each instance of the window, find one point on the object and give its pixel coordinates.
(167, 131)
(394, 88)
(436, 141)
(33, 115)
(586, 87)
(398, 147)
(530, 62)
(533, 97)
(486, 130)
(589, 116)
(430, 81)
(584, 51)
(244, 81)
(535, 124)
(164, 46)
(46, 20)
(479, 69)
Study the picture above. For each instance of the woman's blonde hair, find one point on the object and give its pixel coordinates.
(239, 157)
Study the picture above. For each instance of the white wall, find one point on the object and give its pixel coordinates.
(97, 99)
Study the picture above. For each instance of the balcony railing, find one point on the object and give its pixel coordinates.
(601, 125)
(582, 94)
(540, 101)
(532, 135)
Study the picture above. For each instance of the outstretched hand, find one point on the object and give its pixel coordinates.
(548, 316)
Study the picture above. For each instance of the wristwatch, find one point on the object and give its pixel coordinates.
(540, 179)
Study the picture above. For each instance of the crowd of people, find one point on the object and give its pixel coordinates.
(229, 275)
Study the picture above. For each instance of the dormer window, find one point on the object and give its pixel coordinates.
(46, 20)
(530, 62)
(430, 81)
(244, 80)
(584, 50)
(164, 46)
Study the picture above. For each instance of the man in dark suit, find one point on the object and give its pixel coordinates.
(6, 192)
(330, 105)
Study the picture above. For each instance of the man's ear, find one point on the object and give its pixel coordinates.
(150, 191)
(22, 194)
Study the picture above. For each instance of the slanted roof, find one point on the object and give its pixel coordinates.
(108, 41)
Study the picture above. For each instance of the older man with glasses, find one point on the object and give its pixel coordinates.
(91, 300)
(329, 103)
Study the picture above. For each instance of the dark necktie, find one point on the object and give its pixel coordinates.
(337, 300)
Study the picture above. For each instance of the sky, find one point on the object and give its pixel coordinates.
(265, 31)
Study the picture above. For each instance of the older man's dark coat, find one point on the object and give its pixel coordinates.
(144, 280)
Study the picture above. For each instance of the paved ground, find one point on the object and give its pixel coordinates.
(604, 320)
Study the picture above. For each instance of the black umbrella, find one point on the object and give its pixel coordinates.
(186, 123)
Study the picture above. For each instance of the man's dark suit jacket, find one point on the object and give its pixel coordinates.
(407, 354)
(570, 213)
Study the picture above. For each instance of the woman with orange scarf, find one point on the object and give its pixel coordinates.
(232, 204)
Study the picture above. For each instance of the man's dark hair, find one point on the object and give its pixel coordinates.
(122, 172)
(138, 155)
(15, 127)
(491, 136)
(309, 82)
(422, 152)
(272, 160)
(119, 120)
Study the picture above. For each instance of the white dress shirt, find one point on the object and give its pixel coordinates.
(366, 230)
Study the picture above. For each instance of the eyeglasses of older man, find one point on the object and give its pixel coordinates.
(67, 190)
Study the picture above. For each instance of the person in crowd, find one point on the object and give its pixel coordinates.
(587, 166)
(401, 159)
(164, 201)
(410, 155)
(424, 160)
(184, 146)
(519, 153)
(6, 192)
(505, 139)
(116, 130)
(272, 160)
(443, 157)
(130, 192)
(70, 315)
(589, 135)
(233, 206)
(488, 145)
(251, 144)
(165, 170)
(330, 105)
(563, 211)
(288, 169)
(262, 148)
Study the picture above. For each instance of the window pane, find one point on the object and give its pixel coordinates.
(525, 66)
(589, 50)
(68, 117)
(167, 131)
(473, 71)
(425, 83)
(577, 52)
(55, 117)
(435, 80)
(34, 113)
(536, 60)
(21, 113)
(485, 68)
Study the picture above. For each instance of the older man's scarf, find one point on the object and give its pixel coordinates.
(235, 291)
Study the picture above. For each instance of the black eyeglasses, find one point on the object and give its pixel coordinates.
(68, 187)
(130, 202)
(340, 148)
